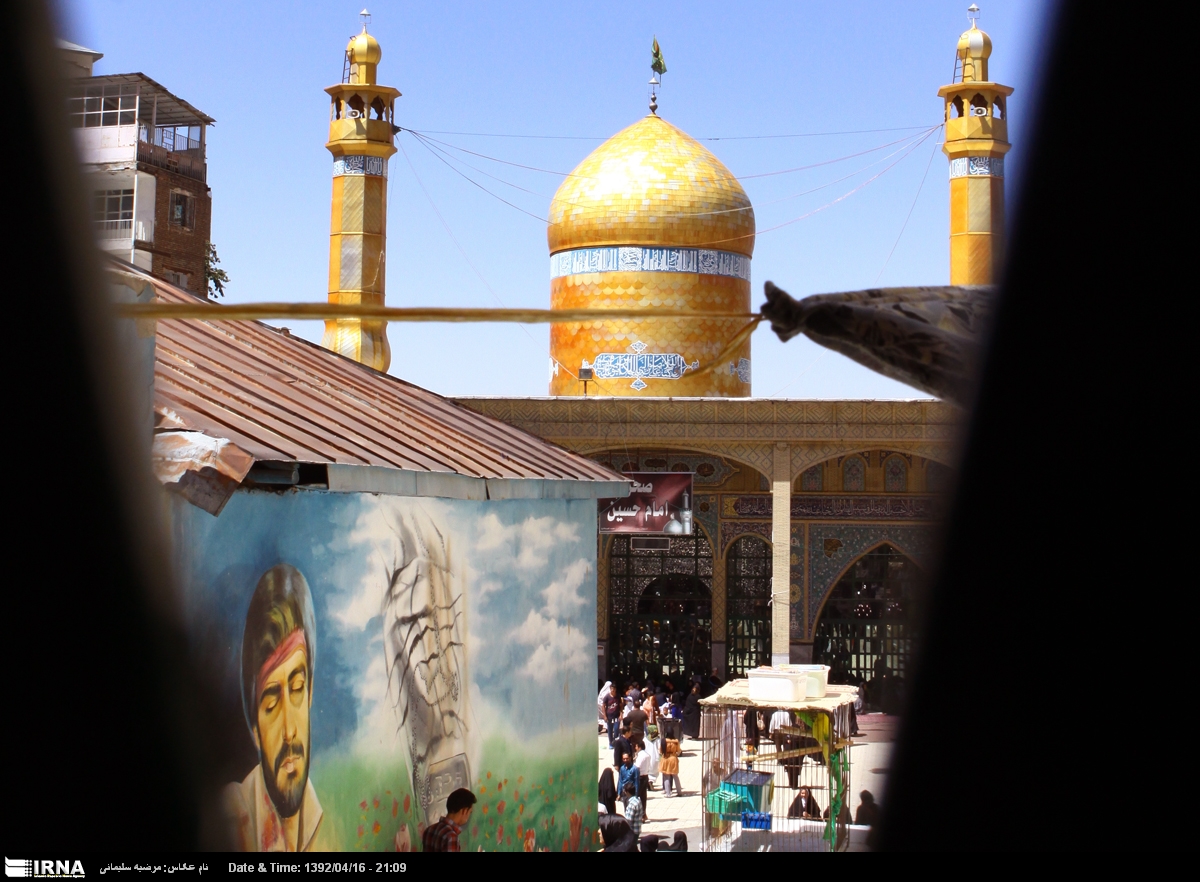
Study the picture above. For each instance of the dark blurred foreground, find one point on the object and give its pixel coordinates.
(1050, 653)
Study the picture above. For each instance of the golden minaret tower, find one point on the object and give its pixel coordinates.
(361, 130)
(976, 141)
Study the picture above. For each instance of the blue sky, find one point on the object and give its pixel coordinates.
(578, 72)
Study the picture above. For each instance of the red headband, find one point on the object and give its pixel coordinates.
(275, 659)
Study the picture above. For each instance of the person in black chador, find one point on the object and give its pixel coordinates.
(691, 713)
(804, 806)
(616, 834)
(607, 792)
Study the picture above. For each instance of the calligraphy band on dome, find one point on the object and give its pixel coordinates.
(360, 165)
(636, 258)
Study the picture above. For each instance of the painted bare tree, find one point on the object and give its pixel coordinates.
(424, 633)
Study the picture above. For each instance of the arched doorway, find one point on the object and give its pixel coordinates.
(661, 608)
(747, 606)
(865, 632)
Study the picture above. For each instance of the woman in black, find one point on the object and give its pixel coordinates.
(608, 791)
(616, 834)
(691, 713)
(804, 806)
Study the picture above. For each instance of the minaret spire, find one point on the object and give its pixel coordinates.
(361, 131)
(976, 141)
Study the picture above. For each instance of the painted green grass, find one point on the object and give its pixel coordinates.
(519, 795)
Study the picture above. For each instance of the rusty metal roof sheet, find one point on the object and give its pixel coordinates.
(278, 397)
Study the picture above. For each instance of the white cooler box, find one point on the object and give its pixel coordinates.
(788, 682)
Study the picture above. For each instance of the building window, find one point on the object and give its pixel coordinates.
(182, 210)
(112, 213)
(176, 138)
(94, 106)
(178, 279)
(895, 475)
(812, 481)
(854, 475)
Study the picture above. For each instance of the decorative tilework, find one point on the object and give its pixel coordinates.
(704, 512)
(635, 258)
(731, 530)
(640, 366)
(854, 475)
(835, 546)
(813, 479)
(848, 508)
(741, 368)
(796, 583)
(988, 166)
(895, 475)
(817, 430)
(360, 165)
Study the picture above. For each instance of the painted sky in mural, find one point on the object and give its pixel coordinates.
(451, 637)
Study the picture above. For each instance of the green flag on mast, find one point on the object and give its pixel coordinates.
(658, 65)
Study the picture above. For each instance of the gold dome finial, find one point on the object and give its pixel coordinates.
(974, 48)
(657, 67)
(363, 53)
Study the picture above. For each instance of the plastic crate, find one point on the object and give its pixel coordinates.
(756, 820)
(725, 803)
(755, 788)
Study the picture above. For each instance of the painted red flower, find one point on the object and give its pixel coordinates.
(499, 834)
(407, 803)
(363, 805)
(376, 828)
(395, 807)
(361, 831)
(500, 806)
(375, 801)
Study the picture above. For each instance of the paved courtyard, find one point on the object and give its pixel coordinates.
(869, 757)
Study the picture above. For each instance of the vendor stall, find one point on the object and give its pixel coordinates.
(776, 774)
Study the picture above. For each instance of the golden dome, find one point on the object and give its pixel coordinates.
(652, 185)
(974, 47)
(364, 49)
(974, 44)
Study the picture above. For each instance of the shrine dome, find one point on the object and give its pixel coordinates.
(652, 185)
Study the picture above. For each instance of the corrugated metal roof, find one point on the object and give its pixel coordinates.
(278, 397)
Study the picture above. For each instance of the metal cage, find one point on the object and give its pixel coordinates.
(756, 769)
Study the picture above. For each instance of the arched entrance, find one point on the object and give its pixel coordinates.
(747, 605)
(661, 608)
(865, 632)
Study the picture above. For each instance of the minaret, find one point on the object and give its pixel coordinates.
(360, 138)
(976, 141)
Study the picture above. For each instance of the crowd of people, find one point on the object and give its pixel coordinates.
(645, 724)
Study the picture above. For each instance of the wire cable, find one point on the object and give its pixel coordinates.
(826, 205)
(481, 187)
(904, 226)
(721, 138)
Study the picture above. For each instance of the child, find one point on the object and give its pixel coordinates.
(633, 809)
(669, 766)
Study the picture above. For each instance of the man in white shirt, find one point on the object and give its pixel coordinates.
(643, 763)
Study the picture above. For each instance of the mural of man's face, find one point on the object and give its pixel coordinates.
(282, 731)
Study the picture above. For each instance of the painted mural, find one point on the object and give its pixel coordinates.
(375, 653)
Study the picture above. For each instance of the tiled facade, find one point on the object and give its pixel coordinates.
(730, 445)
